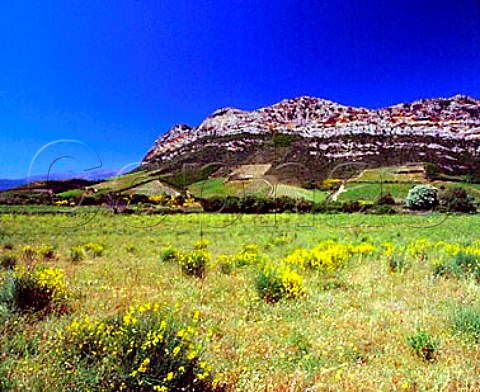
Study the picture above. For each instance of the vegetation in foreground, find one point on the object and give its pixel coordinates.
(240, 302)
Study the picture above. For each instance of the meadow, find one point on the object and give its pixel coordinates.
(361, 303)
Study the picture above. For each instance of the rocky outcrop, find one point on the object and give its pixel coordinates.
(444, 130)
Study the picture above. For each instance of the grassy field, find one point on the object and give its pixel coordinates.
(218, 187)
(258, 187)
(408, 174)
(299, 193)
(140, 182)
(347, 332)
(371, 192)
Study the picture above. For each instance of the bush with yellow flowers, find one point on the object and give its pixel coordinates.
(327, 256)
(39, 290)
(143, 349)
(29, 253)
(95, 249)
(157, 199)
(201, 245)
(364, 248)
(274, 283)
(47, 252)
(248, 255)
(195, 263)
(331, 183)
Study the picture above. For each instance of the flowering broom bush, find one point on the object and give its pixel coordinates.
(195, 263)
(144, 349)
(38, 290)
(29, 254)
(95, 249)
(201, 245)
(327, 256)
(47, 252)
(275, 283)
(248, 255)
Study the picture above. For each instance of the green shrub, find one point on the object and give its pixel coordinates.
(467, 321)
(423, 345)
(468, 264)
(269, 286)
(385, 199)
(131, 248)
(432, 171)
(422, 197)
(6, 381)
(8, 261)
(442, 268)
(143, 349)
(384, 210)
(459, 266)
(397, 263)
(8, 245)
(169, 253)
(7, 294)
(282, 240)
(30, 296)
(332, 283)
(225, 264)
(282, 139)
(457, 200)
(275, 283)
(77, 253)
(195, 263)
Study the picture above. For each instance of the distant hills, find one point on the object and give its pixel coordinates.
(6, 184)
(318, 135)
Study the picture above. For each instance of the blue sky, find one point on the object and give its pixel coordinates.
(114, 75)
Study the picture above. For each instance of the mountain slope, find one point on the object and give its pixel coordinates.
(316, 135)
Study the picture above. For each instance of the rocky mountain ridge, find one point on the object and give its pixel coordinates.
(444, 130)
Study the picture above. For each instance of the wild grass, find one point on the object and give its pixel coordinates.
(347, 331)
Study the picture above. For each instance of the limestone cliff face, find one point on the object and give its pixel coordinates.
(445, 131)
